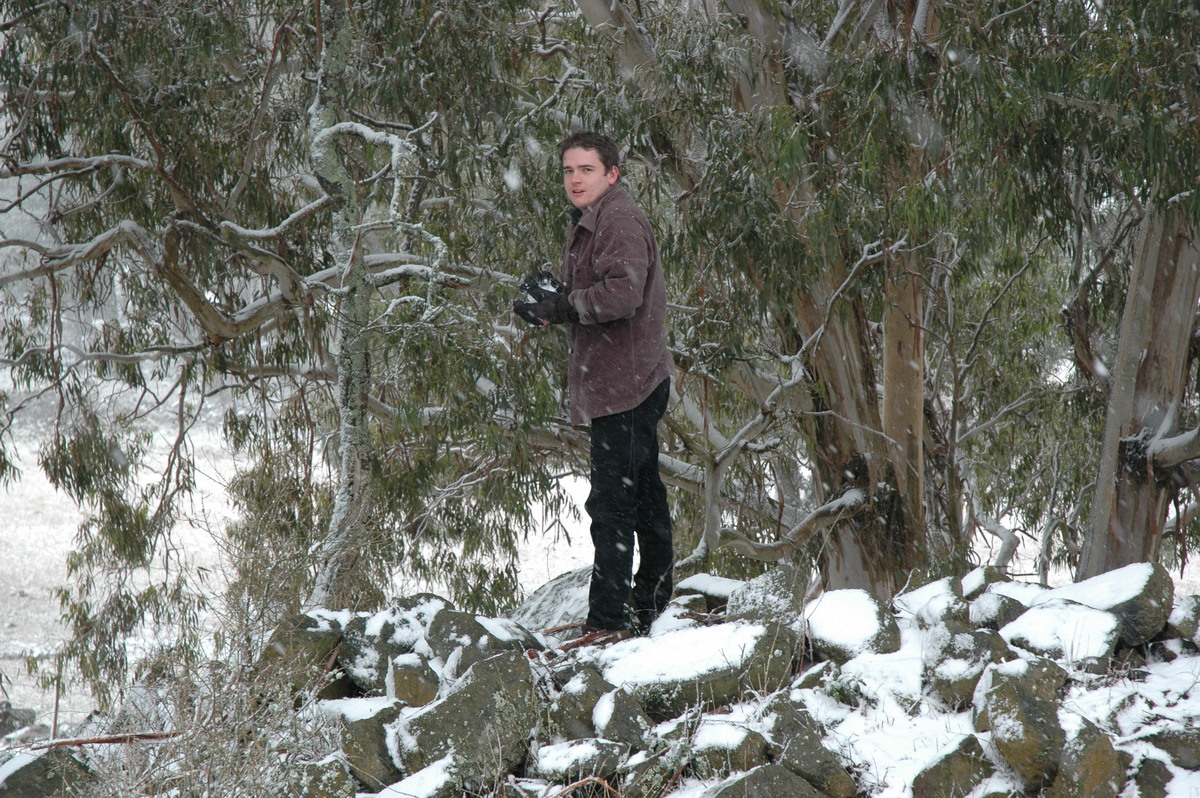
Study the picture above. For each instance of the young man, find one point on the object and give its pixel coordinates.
(612, 298)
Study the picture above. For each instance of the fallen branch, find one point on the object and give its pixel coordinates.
(111, 739)
(570, 788)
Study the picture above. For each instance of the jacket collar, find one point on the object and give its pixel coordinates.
(587, 219)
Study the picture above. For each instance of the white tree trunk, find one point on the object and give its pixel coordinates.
(337, 551)
(1148, 385)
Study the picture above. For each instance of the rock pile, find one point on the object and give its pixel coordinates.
(746, 689)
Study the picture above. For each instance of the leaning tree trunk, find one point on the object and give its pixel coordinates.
(1147, 390)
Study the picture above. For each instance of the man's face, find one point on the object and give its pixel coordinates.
(584, 176)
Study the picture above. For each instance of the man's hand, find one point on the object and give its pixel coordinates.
(554, 309)
(549, 306)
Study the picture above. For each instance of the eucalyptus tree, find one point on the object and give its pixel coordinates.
(1126, 88)
(902, 191)
(839, 228)
(293, 214)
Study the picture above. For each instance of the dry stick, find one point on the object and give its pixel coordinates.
(132, 737)
(570, 788)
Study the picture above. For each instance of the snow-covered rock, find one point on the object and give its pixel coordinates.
(1017, 702)
(698, 666)
(716, 590)
(1139, 594)
(485, 720)
(956, 772)
(842, 624)
(1065, 630)
(578, 759)
(938, 705)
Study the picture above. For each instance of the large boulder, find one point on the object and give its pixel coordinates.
(956, 773)
(1089, 766)
(436, 780)
(1018, 702)
(618, 716)
(703, 666)
(842, 624)
(302, 646)
(12, 718)
(460, 639)
(47, 774)
(364, 739)
(976, 582)
(1182, 745)
(796, 743)
(572, 709)
(327, 778)
(715, 590)
(1184, 620)
(372, 641)
(1061, 629)
(562, 600)
(1153, 779)
(412, 680)
(485, 719)
(722, 746)
(1141, 595)
(955, 657)
(777, 596)
(994, 611)
(649, 772)
(934, 603)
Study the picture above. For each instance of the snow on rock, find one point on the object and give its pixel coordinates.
(719, 707)
(571, 761)
(1139, 594)
(934, 603)
(1184, 620)
(1024, 592)
(716, 590)
(845, 623)
(432, 781)
(703, 664)
(993, 610)
(1062, 629)
(562, 600)
(777, 595)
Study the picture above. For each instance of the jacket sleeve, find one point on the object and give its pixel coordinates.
(620, 263)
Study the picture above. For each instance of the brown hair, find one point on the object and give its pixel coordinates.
(603, 146)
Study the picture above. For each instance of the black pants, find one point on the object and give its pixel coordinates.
(628, 501)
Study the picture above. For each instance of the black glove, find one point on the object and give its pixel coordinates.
(540, 285)
(554, 309)
(549, 304)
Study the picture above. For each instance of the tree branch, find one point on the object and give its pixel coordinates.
(847, 505)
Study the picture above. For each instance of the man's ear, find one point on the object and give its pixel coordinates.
(613, 174)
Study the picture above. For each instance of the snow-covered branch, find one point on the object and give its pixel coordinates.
(73, 165)
(1170, 452)
(1008, 539)
(283, 227)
